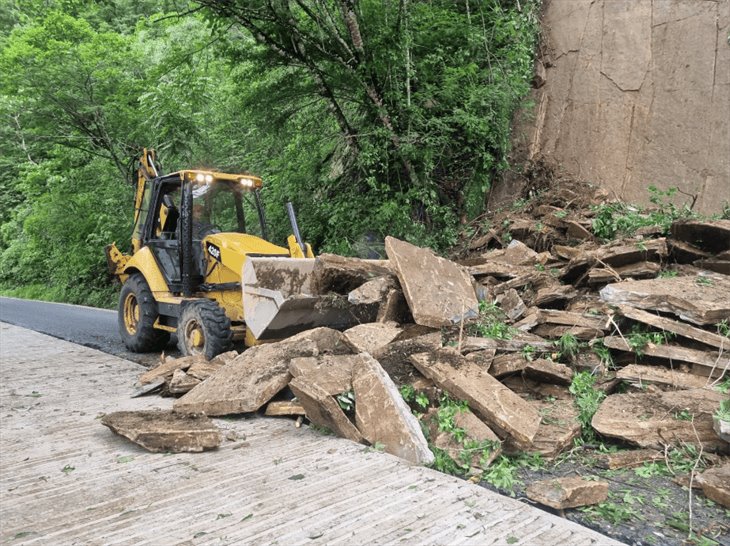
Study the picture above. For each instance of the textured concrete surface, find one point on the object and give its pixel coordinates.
(66, 479)
(637, 92)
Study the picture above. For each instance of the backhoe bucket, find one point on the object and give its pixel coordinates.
(277, 302)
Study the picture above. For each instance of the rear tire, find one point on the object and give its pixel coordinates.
(204, 329)
(137, 315)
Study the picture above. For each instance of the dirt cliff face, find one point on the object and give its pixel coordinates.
(636, 92)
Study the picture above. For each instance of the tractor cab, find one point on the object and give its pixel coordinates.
(185, 208)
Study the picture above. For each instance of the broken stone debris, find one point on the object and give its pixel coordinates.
(162, 431)
(180, 382)
(248, 381)
(561, 493)
(499, 407)
(664, 418)
(438, 291)
(715, 483)
(383, 417)
(369, 338)
(516, 384)
(322, 409)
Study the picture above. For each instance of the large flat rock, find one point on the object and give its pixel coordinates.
(676, 327)
(327, 340)
(322, 409)
(248, 381)
(383, 417)
(662, 376)
(547, 371)
(559, 426)
(701, 299)
(712, 236)
(163, 431)
(657, 419)
(503, 410)
(438, 291)
(370, 337)
(707, 362)
(332, 373)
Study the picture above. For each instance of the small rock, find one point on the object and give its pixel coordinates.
(561, 493)
(284, 407)
(722, 428)
(715, 484)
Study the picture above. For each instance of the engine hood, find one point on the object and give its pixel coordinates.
(244, 244)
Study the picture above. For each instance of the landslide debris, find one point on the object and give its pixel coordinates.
(566, 321)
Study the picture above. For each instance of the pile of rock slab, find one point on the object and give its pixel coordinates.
(505, 330)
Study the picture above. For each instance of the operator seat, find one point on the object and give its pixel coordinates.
(173, 215)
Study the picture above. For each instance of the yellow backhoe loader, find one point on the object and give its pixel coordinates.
(201, 266)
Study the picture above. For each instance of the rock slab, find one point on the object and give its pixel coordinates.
(424, 275)
(503, 410)
(657, 419)
(561, 493)
(700, 299)
(247, 382)
(715, 484)
(368, 338)
(662, 376)
(559, 426)
(382, 416)
(322, 409)
(476, 434)
(332, 373)
(163, 431)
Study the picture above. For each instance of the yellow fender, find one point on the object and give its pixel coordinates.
(144, 262)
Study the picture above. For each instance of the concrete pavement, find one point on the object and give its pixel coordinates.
(66, 479)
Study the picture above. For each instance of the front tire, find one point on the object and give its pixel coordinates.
(137, 315)
(204, 329)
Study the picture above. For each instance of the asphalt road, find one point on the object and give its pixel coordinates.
(88, 326)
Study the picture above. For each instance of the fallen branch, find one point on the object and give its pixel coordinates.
(692, 474)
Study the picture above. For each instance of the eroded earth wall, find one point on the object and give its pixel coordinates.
(636, 92)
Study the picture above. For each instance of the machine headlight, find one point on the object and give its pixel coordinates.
(208, 178)
(247, 182)
(200, 177)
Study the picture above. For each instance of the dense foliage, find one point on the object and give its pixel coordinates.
(374, 117)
